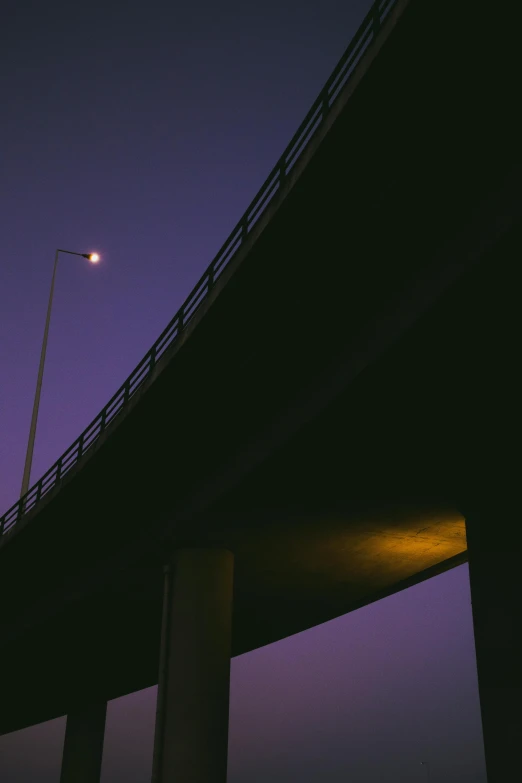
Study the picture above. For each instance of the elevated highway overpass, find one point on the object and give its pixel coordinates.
(337, 410)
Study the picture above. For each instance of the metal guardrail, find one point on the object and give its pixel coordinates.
(365, 35)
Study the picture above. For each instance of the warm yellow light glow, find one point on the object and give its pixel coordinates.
(94, 258)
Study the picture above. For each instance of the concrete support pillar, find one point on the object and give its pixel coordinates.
(191, 738)
(83, 745)
(494, 533)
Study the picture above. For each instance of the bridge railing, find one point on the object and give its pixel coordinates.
(365, 35)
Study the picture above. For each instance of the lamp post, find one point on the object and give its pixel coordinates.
(425, 764)
(93, 258)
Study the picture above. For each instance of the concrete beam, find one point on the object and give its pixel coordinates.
(191, 739)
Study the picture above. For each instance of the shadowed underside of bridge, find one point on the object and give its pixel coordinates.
(345, 390)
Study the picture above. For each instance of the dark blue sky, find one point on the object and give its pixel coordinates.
(143, 131)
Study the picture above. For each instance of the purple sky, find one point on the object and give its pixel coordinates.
(143, 131)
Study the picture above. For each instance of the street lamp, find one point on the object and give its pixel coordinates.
(425, 764)
(93, 258)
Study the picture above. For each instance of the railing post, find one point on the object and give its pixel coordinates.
(103, 420)
(80, 446)
(58, 470)
(38, 491)
(126, 392)
(180, 321)
(152, 361)
(282, 172)
(210, 283)
(376, 18)
(244, 230)
(325, 103)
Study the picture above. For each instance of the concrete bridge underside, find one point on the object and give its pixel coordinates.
(366, 499)
(289, 574)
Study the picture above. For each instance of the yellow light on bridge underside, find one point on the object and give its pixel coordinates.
(94, 258)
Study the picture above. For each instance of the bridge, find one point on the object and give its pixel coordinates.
(330, 417)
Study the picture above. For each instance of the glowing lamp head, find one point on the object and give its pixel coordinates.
(94, 258)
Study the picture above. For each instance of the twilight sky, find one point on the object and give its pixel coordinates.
(143, 131)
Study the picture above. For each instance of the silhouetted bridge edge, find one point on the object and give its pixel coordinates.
(360, 53)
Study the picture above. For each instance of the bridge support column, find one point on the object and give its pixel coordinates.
(494, 533)
(191, 737)
(83, 745)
